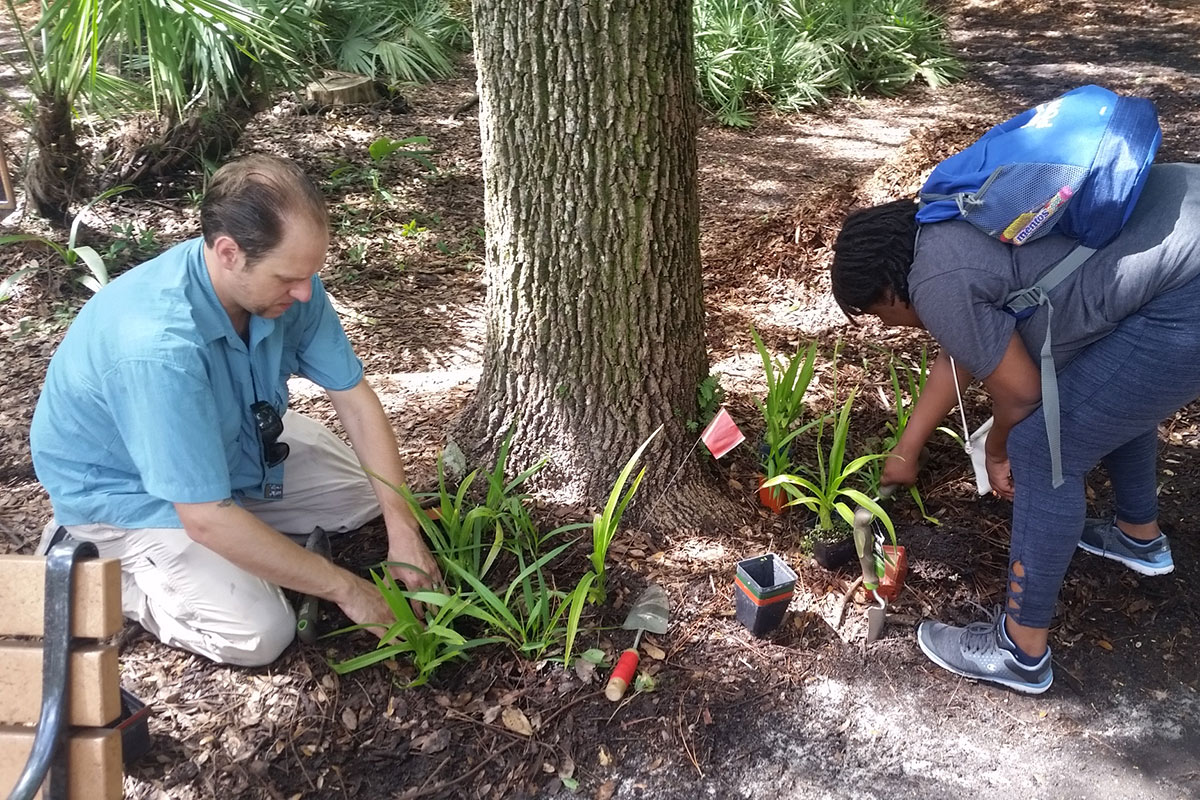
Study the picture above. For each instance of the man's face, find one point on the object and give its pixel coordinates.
(268, 287)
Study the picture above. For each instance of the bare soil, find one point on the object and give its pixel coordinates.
(806, 712)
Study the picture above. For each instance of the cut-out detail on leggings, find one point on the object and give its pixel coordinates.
(1016, 584)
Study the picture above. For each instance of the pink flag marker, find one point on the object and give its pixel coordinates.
(722, 434)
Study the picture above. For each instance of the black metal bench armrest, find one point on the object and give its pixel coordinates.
(48, 749)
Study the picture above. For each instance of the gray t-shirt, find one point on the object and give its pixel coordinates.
(960, 276)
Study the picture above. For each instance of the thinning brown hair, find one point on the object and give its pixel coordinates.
(250, 199)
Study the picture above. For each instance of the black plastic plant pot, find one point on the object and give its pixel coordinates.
(134, 726)
(762, 590)
(837, 553)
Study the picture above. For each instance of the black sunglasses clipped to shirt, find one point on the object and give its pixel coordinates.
(270, 427)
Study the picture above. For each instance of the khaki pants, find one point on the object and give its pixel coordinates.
(191, 598)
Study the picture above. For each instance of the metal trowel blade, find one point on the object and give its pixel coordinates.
(876, 618)
(649, 611)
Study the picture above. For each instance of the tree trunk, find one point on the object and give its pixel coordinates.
(54, 174)
(595, 319)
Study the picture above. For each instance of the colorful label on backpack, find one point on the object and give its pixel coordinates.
(1027, 224)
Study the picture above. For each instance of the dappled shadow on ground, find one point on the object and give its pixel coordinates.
(807, 711)
(1028, 51)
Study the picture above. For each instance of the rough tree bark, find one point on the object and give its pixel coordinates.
(595, 320)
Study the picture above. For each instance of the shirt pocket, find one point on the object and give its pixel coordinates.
(289, 361)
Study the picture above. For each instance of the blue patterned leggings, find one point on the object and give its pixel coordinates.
(1113, 395)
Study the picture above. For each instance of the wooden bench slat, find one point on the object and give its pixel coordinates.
(93, 762)
(96, 594)
(95, 690)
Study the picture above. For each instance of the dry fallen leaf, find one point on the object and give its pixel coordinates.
(605, 756)
(1105, 644)
(1141, 604)
(432, 742)
(349, 719)
(515, 720)
(606, 790)
(654, 651)
(585, 670)
(489, 716)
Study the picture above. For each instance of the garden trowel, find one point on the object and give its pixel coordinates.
(649, 613)
(875, 558)
(307, 611)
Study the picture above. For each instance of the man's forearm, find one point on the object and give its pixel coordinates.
(375, 445)
(247, 542)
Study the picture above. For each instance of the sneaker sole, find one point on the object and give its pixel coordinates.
(1140, 567)
(1023, 688)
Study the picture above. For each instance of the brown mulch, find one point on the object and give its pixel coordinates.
(406, 274)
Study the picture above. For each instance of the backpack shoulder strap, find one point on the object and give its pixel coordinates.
(1023, 299)
(1038, 295)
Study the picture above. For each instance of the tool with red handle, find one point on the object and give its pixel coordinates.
(649, 613)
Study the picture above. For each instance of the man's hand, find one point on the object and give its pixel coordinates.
(362, 602)
(410, 551)
(1000, 476)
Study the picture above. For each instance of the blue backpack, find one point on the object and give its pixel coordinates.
(1076, 166)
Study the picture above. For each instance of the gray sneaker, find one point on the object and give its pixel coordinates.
(976, 652)
(1102, 537)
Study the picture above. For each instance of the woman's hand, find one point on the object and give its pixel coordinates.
(1000, 476)
(899, 468)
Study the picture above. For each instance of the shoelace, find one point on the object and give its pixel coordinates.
(979, 637)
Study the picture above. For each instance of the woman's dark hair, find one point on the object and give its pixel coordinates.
(873, 254)
(251, 198)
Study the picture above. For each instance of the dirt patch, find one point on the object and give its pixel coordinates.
(806, 712)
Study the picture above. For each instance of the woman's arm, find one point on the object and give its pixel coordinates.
(937, 399)
(1016, 390)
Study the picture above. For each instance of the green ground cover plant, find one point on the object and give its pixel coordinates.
(794, 54)
(380, 151)
(428, 643)
(477, 538)
(787, 383)
(710, 394)
(827, 489)
(75, 257)
(605, 524)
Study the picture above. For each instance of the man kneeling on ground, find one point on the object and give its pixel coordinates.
(163, 435)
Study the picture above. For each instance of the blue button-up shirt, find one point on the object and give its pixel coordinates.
(147, 400)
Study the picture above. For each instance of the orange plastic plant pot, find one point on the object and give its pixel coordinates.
(895, 569)
(773, 498)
